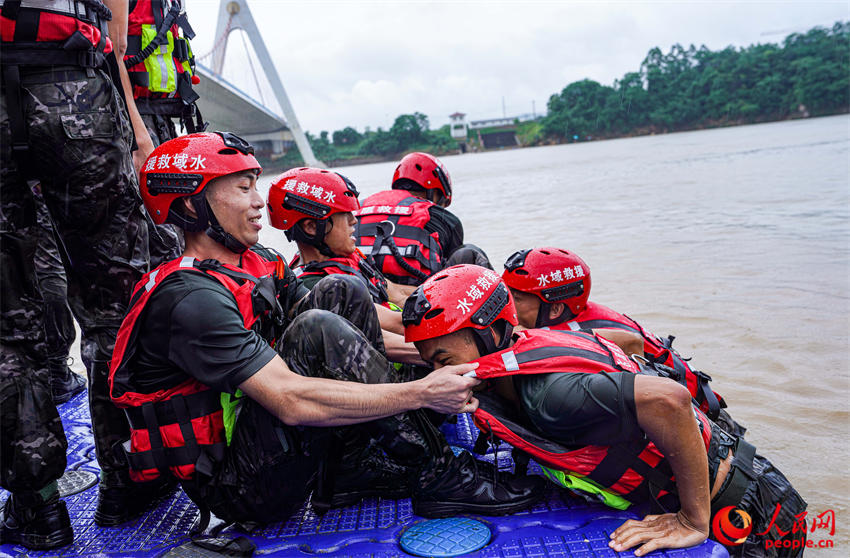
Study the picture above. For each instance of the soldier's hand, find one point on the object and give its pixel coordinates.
(448, 391)
(669, 530)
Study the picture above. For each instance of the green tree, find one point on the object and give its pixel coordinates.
(347, 136)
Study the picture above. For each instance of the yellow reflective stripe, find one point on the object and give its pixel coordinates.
(162, 72)
(574, 481)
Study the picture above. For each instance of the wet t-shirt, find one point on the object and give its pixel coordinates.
(579, 409)
(192, 325)
(448, 226)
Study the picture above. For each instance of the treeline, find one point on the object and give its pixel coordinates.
(409, 132)
(809, 74)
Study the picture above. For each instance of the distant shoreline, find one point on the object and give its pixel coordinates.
(270, 165)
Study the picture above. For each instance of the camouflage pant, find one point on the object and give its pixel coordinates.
(347, 296)
(166, 242)
(269, 467)
(58, 321)
(79, 139)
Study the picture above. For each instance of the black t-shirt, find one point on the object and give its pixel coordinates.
(192, 325)
(448, 226)
(579, 409)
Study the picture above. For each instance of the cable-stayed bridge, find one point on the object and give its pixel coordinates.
(228, 107)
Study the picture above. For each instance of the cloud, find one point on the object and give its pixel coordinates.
(364, 63)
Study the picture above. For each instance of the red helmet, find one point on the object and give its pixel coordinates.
(426, 171)
(458, 297)
(553, 274)
(183, 167)
(309, 193)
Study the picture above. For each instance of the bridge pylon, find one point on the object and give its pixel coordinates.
(233, 15)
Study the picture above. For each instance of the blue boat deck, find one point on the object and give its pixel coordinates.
(561, 526)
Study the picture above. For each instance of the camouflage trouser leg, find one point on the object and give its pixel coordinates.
(319, 344)
(166, 241)
(79, 138)
(32, 442)
(269, 466)
(58, 321)
(347, 296)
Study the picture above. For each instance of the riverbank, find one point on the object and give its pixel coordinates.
(527, 139)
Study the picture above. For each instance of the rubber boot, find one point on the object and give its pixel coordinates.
(64, 383)
(36, 523)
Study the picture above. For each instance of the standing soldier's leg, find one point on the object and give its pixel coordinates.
(82, 138)
(32, 442)
(58, 321)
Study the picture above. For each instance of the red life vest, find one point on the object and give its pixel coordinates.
(171, 429)
(73, 34)
(657, 350)
(391, 228)
(351, 265)
(636, 471)
(159, 59)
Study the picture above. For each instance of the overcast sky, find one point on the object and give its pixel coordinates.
(363, 63)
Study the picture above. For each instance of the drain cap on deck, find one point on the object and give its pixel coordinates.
(73, 482)
(445, 537)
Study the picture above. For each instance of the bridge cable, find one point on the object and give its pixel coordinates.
(253, 71)
(218, 41)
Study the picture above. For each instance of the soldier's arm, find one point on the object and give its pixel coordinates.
(631, 343)
(118, 34)
(665, 413)
(307, 401)
(399, 293)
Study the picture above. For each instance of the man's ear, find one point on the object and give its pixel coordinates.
(189, 208)
(556, 310)
(308, 226)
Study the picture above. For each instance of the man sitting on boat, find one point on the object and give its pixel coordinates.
(551, 289)
(408, 231)
(249, 411)
(598, 421)
(314, 208)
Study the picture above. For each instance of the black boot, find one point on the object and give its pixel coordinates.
(368, 472)
(64, 383)
(42, 526)
(464, 485)
(445, 484)
(119, 499)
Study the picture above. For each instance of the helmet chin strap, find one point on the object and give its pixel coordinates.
(543, 319)
(214, 230)
(485, 340)
(298, 234)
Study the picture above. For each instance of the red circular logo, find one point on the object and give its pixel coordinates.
(725, 532)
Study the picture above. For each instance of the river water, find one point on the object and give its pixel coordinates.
(736, 240)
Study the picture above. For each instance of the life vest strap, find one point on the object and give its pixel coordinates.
(174, 457)
(739, 477)
(199, 404)
(707, 395)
